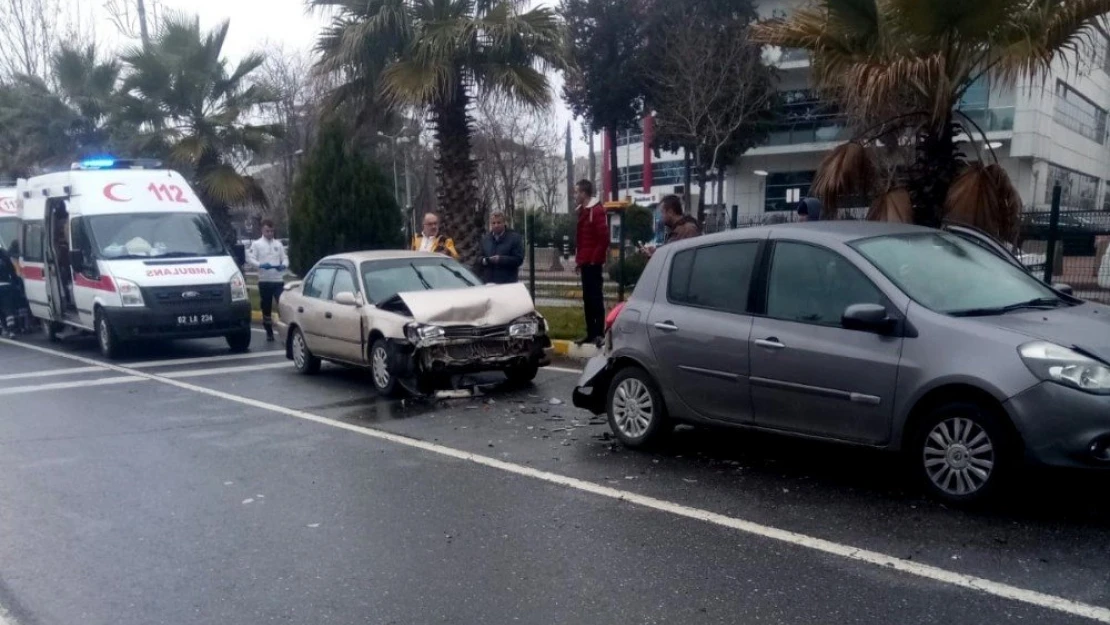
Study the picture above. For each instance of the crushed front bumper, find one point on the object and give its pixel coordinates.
(458, 356)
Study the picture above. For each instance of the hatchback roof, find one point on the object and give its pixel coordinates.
(841, 231)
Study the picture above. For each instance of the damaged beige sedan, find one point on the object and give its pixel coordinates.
(413, 319)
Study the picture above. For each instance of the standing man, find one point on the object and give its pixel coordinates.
(11, 295)
(502, 252)
(267, 255)
(430, 240)
(679, 225)
(593, 247)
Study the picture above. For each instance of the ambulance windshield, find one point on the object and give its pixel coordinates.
(9, 233)
(155, 235)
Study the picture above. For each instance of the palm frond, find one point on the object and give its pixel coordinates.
(893, 206)
(846, 172)
(984, 197)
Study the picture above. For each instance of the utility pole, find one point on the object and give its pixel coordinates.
(142, 25)
(569, 156)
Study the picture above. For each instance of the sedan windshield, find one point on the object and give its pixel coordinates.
(950, 275)
(155, 235)
(386, 278)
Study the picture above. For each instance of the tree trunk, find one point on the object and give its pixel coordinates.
(721, 187)
(456, 175)
(688, 185)
(614, 173)
(937, 163)
(701, 190)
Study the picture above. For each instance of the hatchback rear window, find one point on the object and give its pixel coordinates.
(714, 276)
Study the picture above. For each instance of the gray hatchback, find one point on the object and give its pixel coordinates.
(889, 336)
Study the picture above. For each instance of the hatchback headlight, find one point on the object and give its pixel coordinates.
(420, 333)
(239, 288)
(129, 293)
(524, 328)
(1055, 363)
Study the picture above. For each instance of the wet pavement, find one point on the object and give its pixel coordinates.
(187, 485)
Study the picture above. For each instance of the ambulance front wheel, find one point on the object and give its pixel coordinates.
(239, 342)
(106, 338)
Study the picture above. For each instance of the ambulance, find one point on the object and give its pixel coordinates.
(124, 249)
(9, 220)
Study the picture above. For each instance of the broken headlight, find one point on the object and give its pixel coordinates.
(524, 328)
(420, 333)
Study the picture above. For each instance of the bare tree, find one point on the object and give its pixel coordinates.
(509, 139)
(547, 179)
(29, 31)
(711, 89)
(135, 19)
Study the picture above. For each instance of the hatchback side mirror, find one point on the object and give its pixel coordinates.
(867, 318)
(347, 298)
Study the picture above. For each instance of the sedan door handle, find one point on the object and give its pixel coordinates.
(666, 326)
(327, 315)
(770, 343)
(300, 309)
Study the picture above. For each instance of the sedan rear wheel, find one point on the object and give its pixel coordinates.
(963, 453)
(637, 414)
(303, 359)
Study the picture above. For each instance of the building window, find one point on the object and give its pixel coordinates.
(629, 137)
(785, 189)
(632, 177)
(1079, 191)
(1106, 196)
(806, 118)
(667, 173)
(1076, 112)
(1106, 54)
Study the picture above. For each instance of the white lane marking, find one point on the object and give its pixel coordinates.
(52, 372)
(562, 370)
(960, 580)
(197, 361)
(200, 373)
(57, 386)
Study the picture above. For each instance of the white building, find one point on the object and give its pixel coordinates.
(1044, 131)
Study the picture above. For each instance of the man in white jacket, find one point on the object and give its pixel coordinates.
(267, 255)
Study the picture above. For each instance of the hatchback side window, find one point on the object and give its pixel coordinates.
(343, 283)
(714, 276)
(814, 285)
(319, 283)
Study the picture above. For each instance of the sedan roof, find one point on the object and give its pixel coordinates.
(358, 257)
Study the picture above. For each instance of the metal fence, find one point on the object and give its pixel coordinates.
(1065, 228)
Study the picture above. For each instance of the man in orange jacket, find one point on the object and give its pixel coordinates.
(430, 240)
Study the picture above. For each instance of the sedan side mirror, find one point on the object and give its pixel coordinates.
(867, 318)
(1064, 288)
(347, 298)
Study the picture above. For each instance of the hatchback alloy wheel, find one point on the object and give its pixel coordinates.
(959, 456)
(633, 408)
(637, 414)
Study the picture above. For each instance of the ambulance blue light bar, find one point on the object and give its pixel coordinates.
(98, 163)
(108, 162)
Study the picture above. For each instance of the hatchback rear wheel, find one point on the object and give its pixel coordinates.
(963, 453)
(637, 414)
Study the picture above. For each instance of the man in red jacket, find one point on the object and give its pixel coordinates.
(593, 247)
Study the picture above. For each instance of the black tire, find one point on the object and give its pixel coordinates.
(963, 453)
(522, 375)
(303, 359)
(50, 331)
(239, 342)
(106, 338)
(637, 414)
(382, 373)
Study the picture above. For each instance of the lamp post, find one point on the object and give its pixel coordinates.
(398, 139)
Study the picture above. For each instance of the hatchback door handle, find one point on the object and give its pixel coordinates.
(666, 326)
(770, 343)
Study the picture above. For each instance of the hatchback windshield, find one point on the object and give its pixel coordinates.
(950, 275)
(155, 235)
(386, 278)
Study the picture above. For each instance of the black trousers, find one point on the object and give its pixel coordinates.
(593, 300)
(9, 304)
(268, 293)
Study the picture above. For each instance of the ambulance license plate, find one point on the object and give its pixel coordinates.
(194, 320)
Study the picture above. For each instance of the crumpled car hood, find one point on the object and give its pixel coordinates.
(490, 305)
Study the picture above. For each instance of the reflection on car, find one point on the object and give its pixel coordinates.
(895, 337)
(413, 319)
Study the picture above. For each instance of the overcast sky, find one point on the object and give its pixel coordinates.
(255, 23)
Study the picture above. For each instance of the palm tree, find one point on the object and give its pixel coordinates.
(438, 55)
(90, 88)
(902, 67)
(188, 106)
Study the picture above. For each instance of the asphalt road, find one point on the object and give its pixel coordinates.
(184, 485)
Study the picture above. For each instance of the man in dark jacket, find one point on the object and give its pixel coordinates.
(593, 247)
(11, 294)
(502, 252)
(679, 224)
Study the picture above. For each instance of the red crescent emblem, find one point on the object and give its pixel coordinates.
(110, 193)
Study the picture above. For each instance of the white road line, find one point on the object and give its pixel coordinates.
(563, 370)
(46, 374)
(57, 386)
(960, 580)
(200, 373)
(202, 360)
